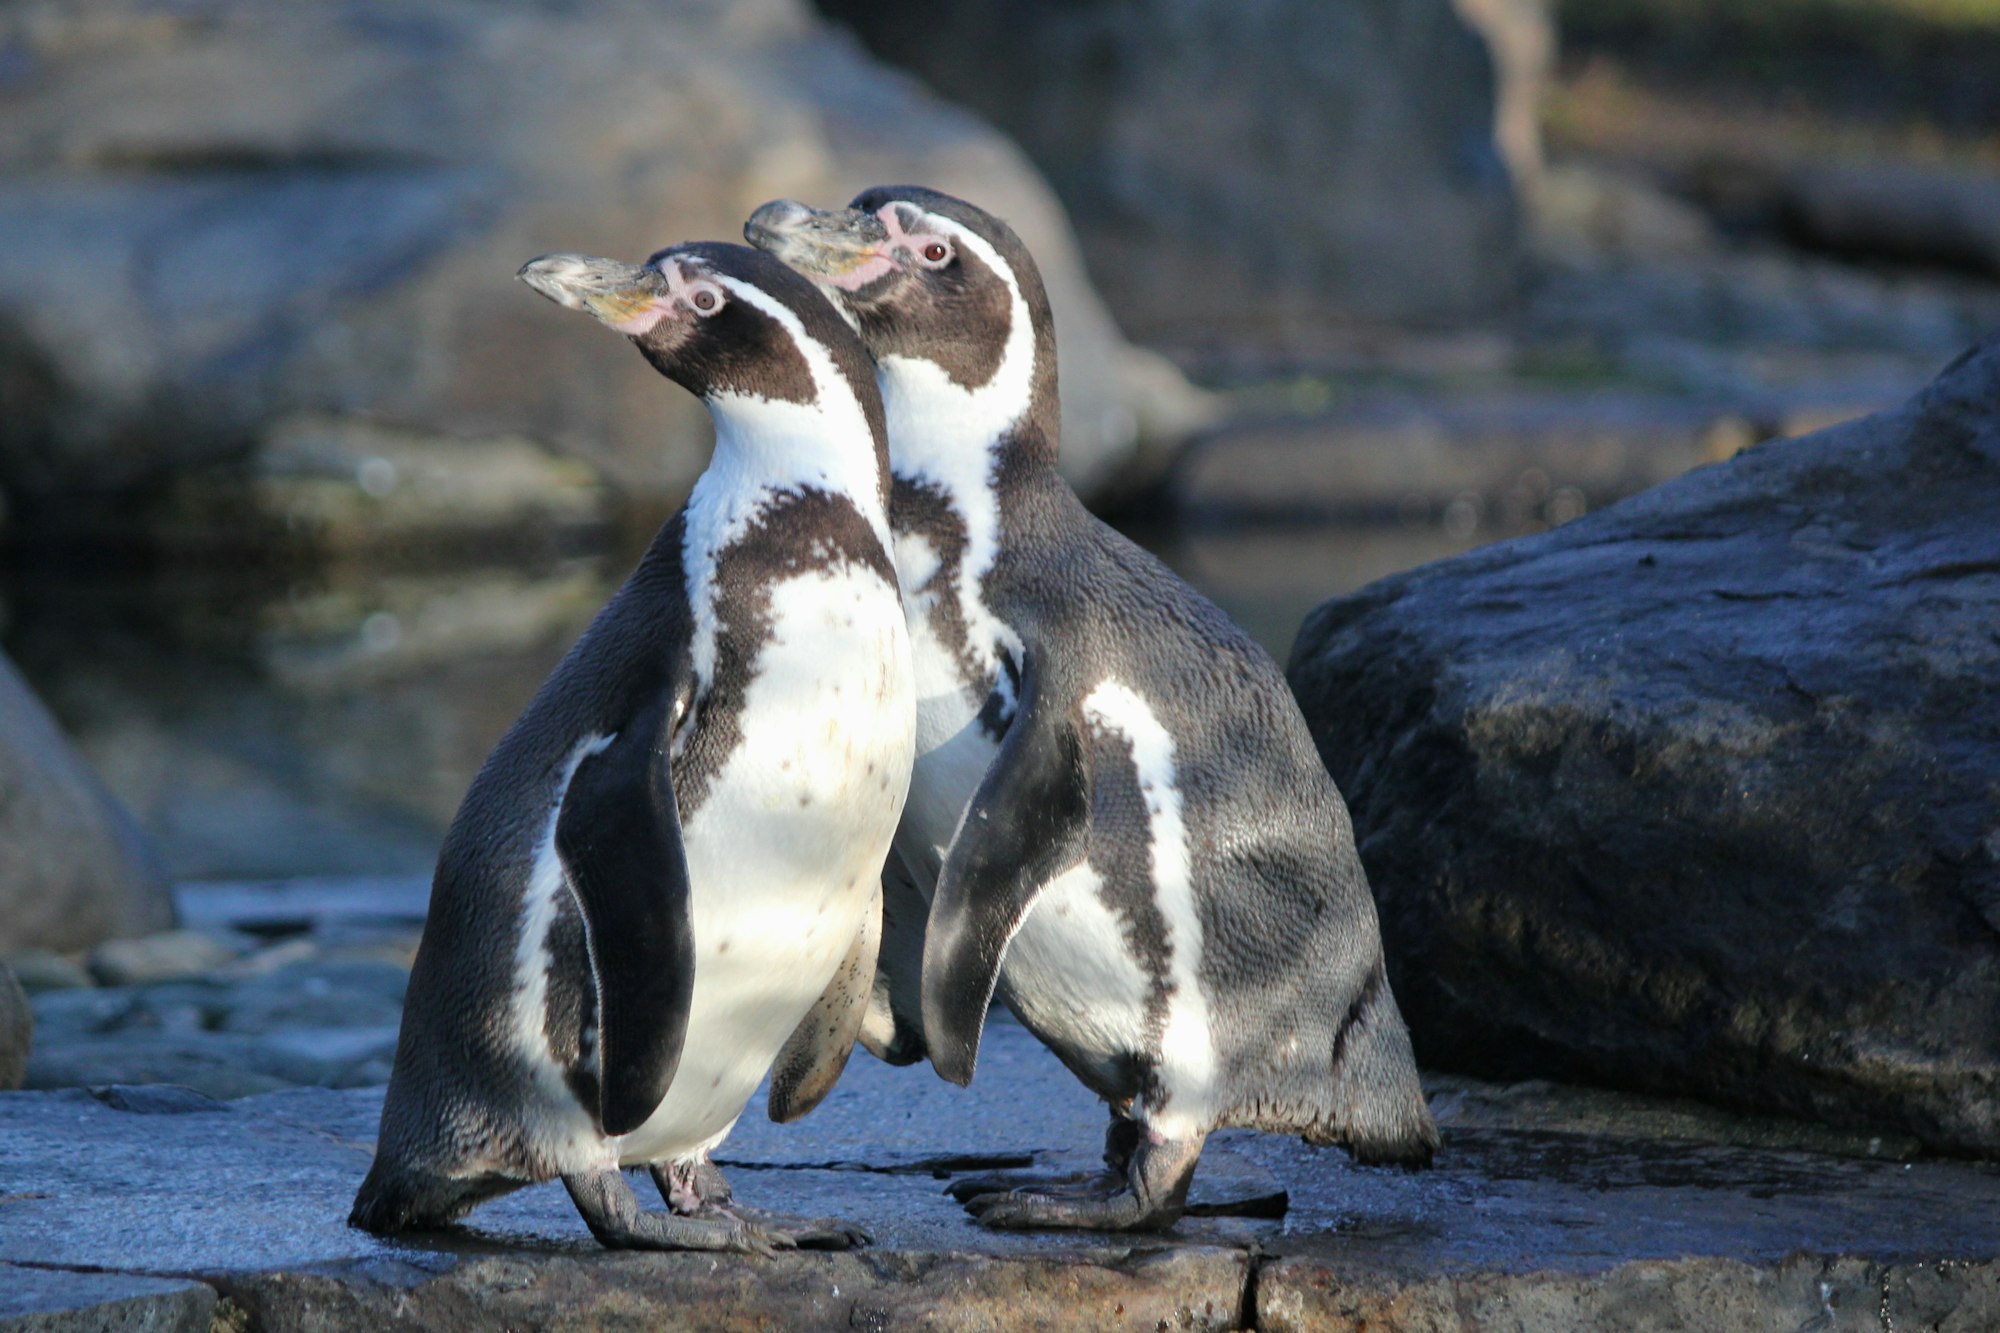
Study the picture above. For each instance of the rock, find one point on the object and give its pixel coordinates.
(34, 1300)
(41, 970)
(222, 222)
(82, 1012)
(1697, 794)
(168, 956)
(17, 1030)
(1229, 164)
(1464, 1103)
(350, 487)
(1884, 211)
(1505, 458)
(1295, 1296)
(329, 995)
(1581, 213)
(210, 1063)
(73, 869)
(1873, 210)
(1530, 1228)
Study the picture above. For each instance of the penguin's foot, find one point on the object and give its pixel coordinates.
(1121, 1139)
(1081, 1184)
(698, 1190)
(1151, 1197)
(614, 1217)
(807, 1233)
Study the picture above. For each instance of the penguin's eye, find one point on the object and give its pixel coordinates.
(704, 300)
(936, 253)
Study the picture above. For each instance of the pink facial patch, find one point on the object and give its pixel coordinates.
(880, 260)
(645, 318)
(681, 291)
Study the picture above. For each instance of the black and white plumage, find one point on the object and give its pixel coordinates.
(1117, 816)
(665, 877)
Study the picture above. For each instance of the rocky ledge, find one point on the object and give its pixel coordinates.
(159, 1207)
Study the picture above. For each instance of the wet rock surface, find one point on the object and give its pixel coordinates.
(160, 1186)
(1696, 794)
(162, 1205)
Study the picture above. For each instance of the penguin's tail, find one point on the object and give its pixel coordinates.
(1377, 1111)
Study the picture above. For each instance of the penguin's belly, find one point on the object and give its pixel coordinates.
(783, 853)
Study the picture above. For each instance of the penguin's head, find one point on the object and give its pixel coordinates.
(707, 315)
(922, 275)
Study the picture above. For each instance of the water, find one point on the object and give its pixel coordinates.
(262, 723)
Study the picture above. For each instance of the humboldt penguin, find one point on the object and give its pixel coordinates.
(664, 879)
(1118, 820)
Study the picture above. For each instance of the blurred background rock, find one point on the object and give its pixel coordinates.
(301, 496)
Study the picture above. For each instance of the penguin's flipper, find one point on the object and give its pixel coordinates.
(619, 839)
(1028, 822)
(809, 1063)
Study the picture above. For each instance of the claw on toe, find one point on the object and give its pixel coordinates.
(1003, 1211)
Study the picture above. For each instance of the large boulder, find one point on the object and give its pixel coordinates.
(1241, 162)
(73, 869)
(1701, 794)
(243, 212)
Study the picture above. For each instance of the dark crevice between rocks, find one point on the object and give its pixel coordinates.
(938, 1167)
(1254, 1260)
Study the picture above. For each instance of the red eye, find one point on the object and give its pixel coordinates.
(935, 252)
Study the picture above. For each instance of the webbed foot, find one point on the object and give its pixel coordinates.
(613, 1215)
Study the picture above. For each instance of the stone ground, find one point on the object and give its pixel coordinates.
(128, 1204)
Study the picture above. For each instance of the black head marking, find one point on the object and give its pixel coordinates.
(955, 312)
(897, 260)
(740, 348)
(685, 311)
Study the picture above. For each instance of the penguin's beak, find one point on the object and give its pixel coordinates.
(844, 247)
(630, 298)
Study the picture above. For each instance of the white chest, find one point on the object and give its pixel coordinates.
(783, 854)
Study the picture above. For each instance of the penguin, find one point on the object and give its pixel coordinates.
(1117, 823)
(664, 880)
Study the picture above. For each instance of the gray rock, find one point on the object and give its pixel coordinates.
(73, 869)
(1539, 1228)
(217, 1066)
(34, 1300)
(1464, 1103)
(1302, 1296)
(81, 1012)
(1698, 794)
(1580, 213)
(1240, 163)
(41, 970)
(171, 955)
(17, 1030)
(1879, 210)
(318, 994)
(1506, 458)
(223, 222)
(301, 903)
